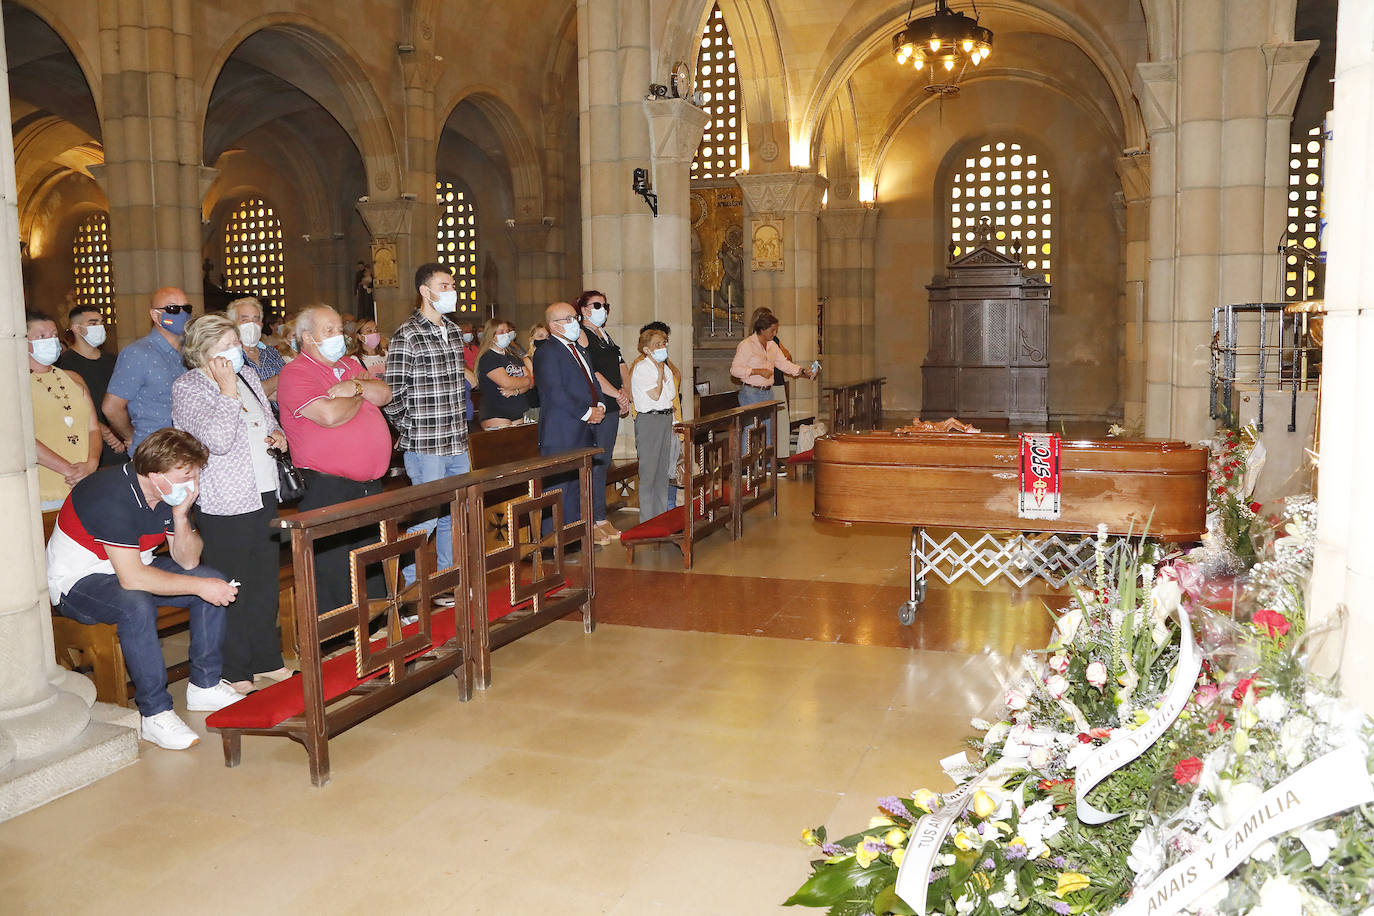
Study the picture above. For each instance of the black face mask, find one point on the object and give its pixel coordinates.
(539, 342)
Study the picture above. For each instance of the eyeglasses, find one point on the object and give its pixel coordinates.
(570, 318)
(176, 309)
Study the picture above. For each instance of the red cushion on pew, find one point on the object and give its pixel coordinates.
(663, 525)
(805, 457)
(275, 704)
(498, 602)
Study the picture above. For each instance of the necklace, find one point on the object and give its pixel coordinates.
(56, 387)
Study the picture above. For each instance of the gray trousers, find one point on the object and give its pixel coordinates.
(653, 434)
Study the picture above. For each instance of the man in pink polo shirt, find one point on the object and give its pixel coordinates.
(330, 412)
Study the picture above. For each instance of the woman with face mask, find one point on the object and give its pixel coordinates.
(222, 403)
(504, 375)
(614, 380)
(263, 359)
(64, 419)
(654, 383)
(370, 349)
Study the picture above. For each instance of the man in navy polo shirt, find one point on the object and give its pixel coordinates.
(101, 569)
(139, 397)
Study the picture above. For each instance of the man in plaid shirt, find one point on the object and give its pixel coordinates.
(424, 367)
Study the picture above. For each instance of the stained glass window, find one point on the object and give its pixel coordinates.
(457, 241)
(1010, 187)
(91, 266)
(254, 257)
(717, 79)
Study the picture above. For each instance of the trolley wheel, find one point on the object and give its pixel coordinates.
(906, 613)
(921, 591)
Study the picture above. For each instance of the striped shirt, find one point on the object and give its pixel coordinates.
(424, 367)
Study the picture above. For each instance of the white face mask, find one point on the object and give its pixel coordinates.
(180, 492)
(333, 348)
(46, 351)
(94, 335)
(571, 330)
(504, 338)
(660, 355)
(597, 316)
(467, 337)
(233, 354)
(447, 301)
(250, 332)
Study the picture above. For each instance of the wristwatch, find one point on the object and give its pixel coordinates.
(357, 388)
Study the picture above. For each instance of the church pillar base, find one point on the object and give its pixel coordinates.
(97, 751)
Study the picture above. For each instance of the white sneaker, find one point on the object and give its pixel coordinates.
(168, 731)
(210, 699)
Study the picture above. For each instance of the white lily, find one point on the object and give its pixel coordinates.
(1319, 844)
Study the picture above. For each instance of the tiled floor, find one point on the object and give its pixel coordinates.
(665, 764)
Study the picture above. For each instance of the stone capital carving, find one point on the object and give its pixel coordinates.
(675, 127)
(1156, 86)
(1287, 65)
(782, 192)
(387, 218)
(1134, 171)
(850, 223)
(530, 234)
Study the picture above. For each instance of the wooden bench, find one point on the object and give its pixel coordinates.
(348, 673)
(490, 447)
(856, 406)
(715, 496)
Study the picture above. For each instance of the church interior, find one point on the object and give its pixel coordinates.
(1141, 170)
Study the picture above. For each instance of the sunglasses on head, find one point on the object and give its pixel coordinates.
(176, 309)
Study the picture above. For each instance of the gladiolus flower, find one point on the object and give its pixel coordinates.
(1187, 771)
(895, 837)
(878, 820)
(898, 855)
(868, 850)
(964, 841)
(1272, 621)
(1097, 674)
(1070, 881)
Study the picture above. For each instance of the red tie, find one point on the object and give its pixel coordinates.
(591, 385)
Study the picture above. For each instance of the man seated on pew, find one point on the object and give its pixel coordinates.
(101, 569)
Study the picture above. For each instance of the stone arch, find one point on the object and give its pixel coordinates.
(758, 55)
(875, 35)
(522, 162)
(89, 72)
(354, 102)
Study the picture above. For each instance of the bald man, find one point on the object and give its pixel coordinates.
(138, 400)
(569, 400)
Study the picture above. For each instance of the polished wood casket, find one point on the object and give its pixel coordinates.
(969, 480)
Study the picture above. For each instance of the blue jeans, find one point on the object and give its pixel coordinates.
(423, 468)
(748, 396)
(99, 598)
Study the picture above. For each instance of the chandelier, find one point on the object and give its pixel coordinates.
(943, 44)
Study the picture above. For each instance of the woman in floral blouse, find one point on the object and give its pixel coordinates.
(228, 411)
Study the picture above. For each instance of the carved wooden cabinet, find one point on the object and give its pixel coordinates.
(989, 342)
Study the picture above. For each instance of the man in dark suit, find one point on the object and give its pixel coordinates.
(569, 402)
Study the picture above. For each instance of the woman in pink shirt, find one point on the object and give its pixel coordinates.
(755, 359)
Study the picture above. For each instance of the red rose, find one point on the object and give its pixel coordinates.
(1084, 738)
(1186, 773)
(1255, 507)
(1239, 693)
(1272, 621)
(1218, 723)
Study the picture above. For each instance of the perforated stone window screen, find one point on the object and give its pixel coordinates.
(1304, 215)
(457, 240)
(717, 79)
(254, 256)
(91, 278)
(1011, 187)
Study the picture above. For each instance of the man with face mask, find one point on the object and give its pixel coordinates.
(331, 414)
(426, 370)
(101, 569)
(139, 399)
(95, 366)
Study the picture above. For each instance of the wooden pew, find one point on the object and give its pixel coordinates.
(348, 673)
(716, 496)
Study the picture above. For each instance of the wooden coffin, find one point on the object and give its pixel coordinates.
(969, 480)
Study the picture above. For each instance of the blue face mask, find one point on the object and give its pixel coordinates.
(660, 355)
(233, 354)
(180, 493)
(571, 330)
(597, 316)
(333, 348)
(175, 324)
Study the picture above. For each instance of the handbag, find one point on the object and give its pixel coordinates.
(290, 481)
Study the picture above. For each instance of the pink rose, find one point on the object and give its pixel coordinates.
(1015, 699)
(1059, 663)
(1056, 685)
(1097, 674)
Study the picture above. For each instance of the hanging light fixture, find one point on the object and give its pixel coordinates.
(943, 45)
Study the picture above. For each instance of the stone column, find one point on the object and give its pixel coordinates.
(391, 223)
(847, 236)
(1217, 115)
(1344, 574)
(1134, 171)
(540, 262)
(780, 211)
(641, 262)
(152, 170)
(48, 744)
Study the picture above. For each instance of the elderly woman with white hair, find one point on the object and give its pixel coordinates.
(264, 360)
(226, 408)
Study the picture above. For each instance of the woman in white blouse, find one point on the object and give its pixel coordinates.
(654, 383)
(228, 411)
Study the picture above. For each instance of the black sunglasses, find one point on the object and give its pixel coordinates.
(176, 309)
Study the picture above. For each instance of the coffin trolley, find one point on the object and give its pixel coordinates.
(971, 482)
